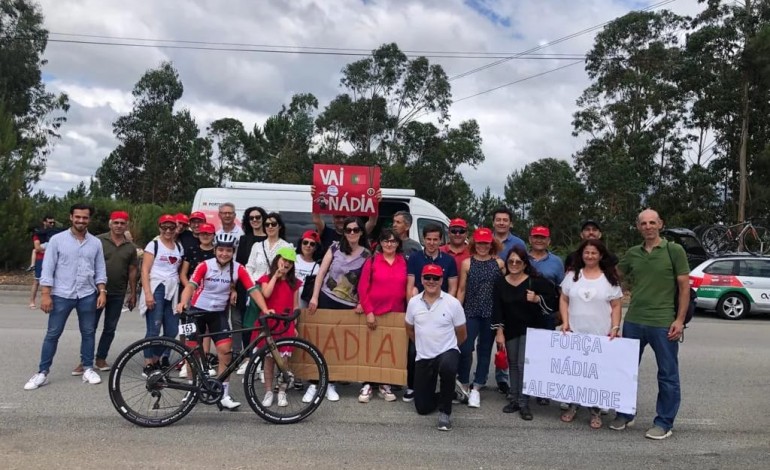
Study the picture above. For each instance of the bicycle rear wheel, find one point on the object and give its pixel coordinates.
(306, 364)
(150, 398)
(757, 241)
(715, 240)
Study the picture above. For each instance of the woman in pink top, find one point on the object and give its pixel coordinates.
(381, 290)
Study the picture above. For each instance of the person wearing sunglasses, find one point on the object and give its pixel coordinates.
(435, 321)
(308, 264)
(457, 247)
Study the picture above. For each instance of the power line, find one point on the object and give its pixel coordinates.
(550, 43)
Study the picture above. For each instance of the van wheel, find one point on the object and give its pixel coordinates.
(733, 306)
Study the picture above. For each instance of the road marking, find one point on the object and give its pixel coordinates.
(697, 421)
(8, 406)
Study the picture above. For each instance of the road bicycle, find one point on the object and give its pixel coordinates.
(161, 397)
(746, 236)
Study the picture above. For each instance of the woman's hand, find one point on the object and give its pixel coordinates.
(359, 309)
(371, 322)
(615, 333)
(179, 308)
(149, 301)
(233, 297)
(500, 340)
(532, 297)
(312, 306)
(565, 328)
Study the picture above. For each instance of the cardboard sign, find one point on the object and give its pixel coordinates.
(353, 352)
(585, 369)
(346, 189)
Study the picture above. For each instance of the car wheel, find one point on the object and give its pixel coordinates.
(733, 306)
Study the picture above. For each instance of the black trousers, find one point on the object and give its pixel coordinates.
(427, 372)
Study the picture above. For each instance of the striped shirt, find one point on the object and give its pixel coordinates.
(73, 268)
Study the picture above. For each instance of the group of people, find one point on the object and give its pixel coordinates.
(479, 289)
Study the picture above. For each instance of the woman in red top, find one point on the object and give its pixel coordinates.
(381, 290)
(280, 288)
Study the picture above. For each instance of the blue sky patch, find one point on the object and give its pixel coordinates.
(484, 8)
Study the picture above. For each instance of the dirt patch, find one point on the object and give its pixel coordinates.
(16, 278)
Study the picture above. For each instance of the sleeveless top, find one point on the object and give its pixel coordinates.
(341, 281)
(479, 287)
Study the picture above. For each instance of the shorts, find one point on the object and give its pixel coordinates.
(38, 268)
(217, 323)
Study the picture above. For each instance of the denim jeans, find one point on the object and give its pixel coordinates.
(57, 319)
(666, 355)
(161, 315)
(112, 311)
(480, 328)
(515, 348)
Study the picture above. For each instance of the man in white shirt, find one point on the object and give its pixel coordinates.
(435, 321)
(227, 218)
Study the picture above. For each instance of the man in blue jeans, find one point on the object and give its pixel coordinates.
(74, 277)
(121, 262)
(655, 270)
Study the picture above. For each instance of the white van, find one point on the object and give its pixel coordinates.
(292, 201)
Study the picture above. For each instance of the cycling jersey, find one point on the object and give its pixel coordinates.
(212, 284)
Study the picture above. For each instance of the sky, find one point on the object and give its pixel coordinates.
(519, 124)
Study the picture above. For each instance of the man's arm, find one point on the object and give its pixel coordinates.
(409, 330)
(317, 220)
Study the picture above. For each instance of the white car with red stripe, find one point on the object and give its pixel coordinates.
(734, 285)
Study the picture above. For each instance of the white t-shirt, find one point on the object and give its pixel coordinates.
(167, 261)
(303, 269)
(434, 326)
(236, 231)
(589, 303)
(261, 257)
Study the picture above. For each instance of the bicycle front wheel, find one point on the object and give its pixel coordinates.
(757, 241)
(715, 240)
(286, 397)
(157, 397)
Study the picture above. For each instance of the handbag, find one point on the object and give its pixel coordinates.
(501, 359)
(308, 285)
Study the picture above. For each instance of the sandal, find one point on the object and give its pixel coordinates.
(596, 421)
(569, 415)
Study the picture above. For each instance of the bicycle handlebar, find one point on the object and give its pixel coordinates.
(285, 317)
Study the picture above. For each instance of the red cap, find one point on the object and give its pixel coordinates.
(182, 219)
(166, 218)
(119, 215)
(311, 235)
(482, 235)
(207, 228)
(198, 215)
(458, 223)
(432, 270)
(539, 231)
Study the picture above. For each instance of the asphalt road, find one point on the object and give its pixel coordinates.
(724, 421)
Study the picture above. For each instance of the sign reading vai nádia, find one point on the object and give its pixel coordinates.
(346, 189)
(585, 369)
(353, 352)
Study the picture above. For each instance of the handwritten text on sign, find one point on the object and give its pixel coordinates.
(585, 369)
(346, 189)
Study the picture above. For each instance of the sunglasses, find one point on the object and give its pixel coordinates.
(168, 228)
(515, 262)
(308, 243)
(353, 230)
(458, 231)
(271, 224)
(431, 278)
(255, 217)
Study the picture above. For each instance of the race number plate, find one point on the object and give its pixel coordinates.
(187, 329)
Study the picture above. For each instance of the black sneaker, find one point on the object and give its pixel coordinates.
(164, 362)
(444, 422)
(408, 395)
(511, 407)
(503, 387)
(525, 414)
(543, 401)
(149, 369)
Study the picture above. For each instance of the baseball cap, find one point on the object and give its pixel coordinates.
(482, 235)
(182, 219)
(539, 231)
(312, 235)
(458, 223)
(166, 218)
(207, 228)
(119, 215)
(287, 253)
(432, 270)
(198, 215)
(590, 222)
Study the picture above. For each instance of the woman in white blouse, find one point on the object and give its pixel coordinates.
(262, 253)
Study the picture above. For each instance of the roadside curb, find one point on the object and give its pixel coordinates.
(14, 287)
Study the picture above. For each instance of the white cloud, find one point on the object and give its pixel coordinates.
(519, 123)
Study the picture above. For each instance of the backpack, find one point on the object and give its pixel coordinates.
(693, 295)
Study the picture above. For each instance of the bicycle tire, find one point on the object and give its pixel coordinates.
(307, 364)
(714, 240)
(137, 400)
(757, 241)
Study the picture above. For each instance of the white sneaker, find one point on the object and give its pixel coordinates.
(366, 394)
(242, 368)
(36, 381)
(309, 393)
(474, 400)
(331, 393)
(282, 401)
(229, 403)
(268, 400)
(386, 393)
(183, 372)
(92, 377)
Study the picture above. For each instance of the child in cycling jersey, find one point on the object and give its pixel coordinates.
(280, 288)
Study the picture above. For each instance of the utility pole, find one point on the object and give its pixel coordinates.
(742, 172)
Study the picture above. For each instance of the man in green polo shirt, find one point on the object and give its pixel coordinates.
(121, 261)
(654, 270)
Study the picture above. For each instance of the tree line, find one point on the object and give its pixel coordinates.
(675, 118)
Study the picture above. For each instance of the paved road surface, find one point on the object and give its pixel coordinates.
(724, 421)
